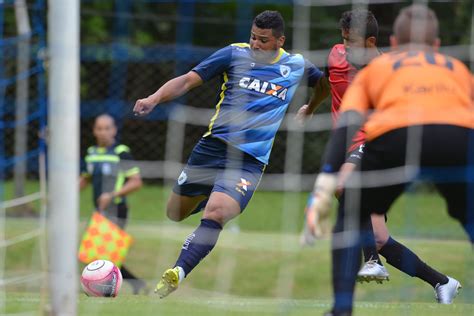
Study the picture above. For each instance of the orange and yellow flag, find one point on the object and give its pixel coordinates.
(104, 240)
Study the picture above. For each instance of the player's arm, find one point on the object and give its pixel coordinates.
(132, 184)
(131, 172)
(210, 67)
(354, 106)
(320, 92)
(84, 181)
(334, 157)
(348, 124)
(85, 177)
(171, 90)
(321, 89)
(472, 88)
(133, 180)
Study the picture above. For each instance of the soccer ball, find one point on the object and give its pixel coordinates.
(101, 278)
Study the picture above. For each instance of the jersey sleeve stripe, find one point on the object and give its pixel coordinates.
(132, 171)
(102, 158)
(121, 148)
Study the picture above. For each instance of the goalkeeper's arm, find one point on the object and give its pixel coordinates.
(334, 157)
(335, 153)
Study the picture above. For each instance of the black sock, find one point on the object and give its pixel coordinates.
(136, 283)
(198, 244)
(126, 274)
(406, 261)
(368, 244)
(345, 263)
(346, 259)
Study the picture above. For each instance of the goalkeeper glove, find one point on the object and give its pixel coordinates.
(323, 192)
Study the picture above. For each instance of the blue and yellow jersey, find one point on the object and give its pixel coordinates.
(254, 96)
(108, 169)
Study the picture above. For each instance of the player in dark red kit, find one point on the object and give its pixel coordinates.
(359, 31)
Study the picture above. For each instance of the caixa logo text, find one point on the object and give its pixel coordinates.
(264, 87)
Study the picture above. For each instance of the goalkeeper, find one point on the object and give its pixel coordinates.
(359, 30)
(109, 167)
(259, 79)
(419, 97)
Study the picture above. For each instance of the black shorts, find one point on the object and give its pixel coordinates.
(215, 166)
(443, 154)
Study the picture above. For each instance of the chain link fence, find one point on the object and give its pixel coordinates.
(130, 48)
(111, 80)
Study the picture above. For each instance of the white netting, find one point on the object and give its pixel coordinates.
(22, 153)
(258, 260)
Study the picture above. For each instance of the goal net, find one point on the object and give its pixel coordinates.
(22, 154)
(259, 265)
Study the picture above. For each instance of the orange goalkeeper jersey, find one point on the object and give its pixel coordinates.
(400, 89)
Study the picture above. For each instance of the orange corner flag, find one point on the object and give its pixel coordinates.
(104, 240)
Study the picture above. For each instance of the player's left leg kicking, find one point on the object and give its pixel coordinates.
(219, 210)
(229, 187)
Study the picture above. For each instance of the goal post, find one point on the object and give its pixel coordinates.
(63, 153)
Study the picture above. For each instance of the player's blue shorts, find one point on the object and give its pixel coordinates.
(217, 166)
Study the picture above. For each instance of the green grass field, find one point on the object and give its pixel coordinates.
(259, 269)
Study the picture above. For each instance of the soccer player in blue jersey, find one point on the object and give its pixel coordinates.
(259, 79)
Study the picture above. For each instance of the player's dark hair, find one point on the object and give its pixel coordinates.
(270, 20)
(416, 24)
(363, 22)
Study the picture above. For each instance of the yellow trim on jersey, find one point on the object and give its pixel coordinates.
(132, 171)
(102, 158)
(218, 105)
(101, 150)
(240, 45)
(118, 185)
(276, 59)
(121, 148)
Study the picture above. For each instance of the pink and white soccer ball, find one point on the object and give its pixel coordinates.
(101, 278)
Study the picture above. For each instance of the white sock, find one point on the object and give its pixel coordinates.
(181, 274)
